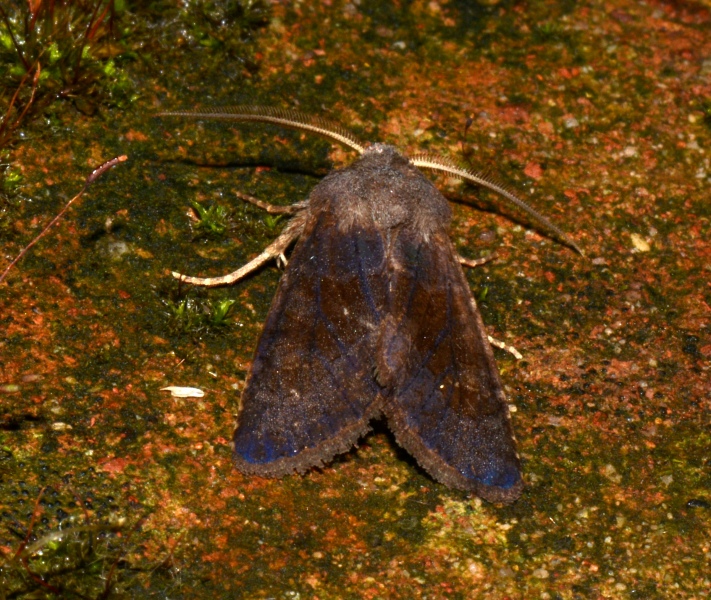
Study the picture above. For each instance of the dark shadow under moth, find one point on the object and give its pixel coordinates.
(373, 318)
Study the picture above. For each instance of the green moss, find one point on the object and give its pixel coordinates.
(212, 221)
(82, 557)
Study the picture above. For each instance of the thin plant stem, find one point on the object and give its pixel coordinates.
(95, 174)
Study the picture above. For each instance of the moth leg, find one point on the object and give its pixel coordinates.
(270, 208)
(504, 346)
(275, 250)
(473, 262)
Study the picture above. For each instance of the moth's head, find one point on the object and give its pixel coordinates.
(384, 153)
(378, 148)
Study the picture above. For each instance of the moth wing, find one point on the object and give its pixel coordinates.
(448, 407)
(311, 392)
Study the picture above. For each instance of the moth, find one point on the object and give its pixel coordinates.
(373, 318)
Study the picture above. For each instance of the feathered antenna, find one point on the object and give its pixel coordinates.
(300, 121)
(278, 116)
(439, 163)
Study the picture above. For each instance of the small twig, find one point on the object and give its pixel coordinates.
(38, 579)
(100, 19)
(30, 529)
(23, 557)
(83, 43)
(6, 128)
(35, 8)
(18, 47)
(112, 570)
(95, 174)
(87, 516)
(35, 83)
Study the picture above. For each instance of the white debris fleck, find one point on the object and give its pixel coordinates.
(177, 391)
(640, 244)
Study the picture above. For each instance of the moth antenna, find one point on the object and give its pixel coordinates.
(277, 116)
(439, 163)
